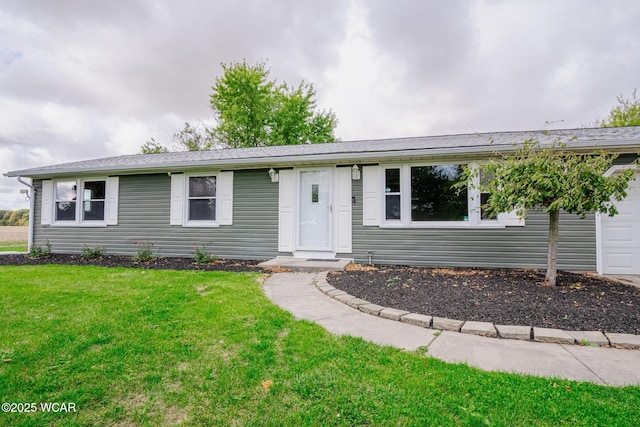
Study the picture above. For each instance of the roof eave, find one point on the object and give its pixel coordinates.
(292, 160)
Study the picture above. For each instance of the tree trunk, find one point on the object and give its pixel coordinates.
(552, 249)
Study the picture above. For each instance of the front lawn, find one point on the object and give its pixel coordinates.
(146, 347)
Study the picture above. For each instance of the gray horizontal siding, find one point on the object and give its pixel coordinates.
(506, 247)
(144, 216)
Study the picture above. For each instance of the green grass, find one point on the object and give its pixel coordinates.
(13, 246)
(136, 347)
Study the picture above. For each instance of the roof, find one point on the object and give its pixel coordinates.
(623, 139)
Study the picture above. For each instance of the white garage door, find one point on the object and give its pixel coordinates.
(621, 235)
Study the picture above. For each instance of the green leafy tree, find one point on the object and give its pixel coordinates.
(626, 113)
(252, 111)
(190, 138)
(294, 120)
(242, 100)
(553, 179)
(14, 218)
(153, 147)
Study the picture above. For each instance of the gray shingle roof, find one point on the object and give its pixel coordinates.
(625, 139)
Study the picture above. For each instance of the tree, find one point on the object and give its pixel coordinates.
(252, 111)
(190, 138)
(153, 147)
(553, 179)
(14, 218)
(294, 120)
(626, 113)
(241, 101)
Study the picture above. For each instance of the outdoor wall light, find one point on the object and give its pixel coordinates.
(274, 175)
(355, 173)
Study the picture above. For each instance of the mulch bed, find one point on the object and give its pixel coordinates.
(581, 302)
(125, 261)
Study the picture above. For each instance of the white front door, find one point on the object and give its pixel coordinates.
(315, 210)
(620, 235)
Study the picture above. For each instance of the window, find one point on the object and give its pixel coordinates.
(428, 196)
(484, 197)
(66, 195)
(392, 194)
(202, 198)
(80, 202)
(433, 196)
(93, 201)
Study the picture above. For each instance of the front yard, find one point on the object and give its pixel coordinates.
(147, 347)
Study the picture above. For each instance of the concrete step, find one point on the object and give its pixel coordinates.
(307, 265)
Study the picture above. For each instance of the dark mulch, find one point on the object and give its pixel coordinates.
(125, 261)
(581, 302)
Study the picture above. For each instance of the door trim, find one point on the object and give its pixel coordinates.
(599, 240)
(309, 249)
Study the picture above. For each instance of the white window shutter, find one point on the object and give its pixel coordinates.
(513, 220)
(225, 197)
(113, 183)
(46, 211)
(286, 200)
(343, 210)
(177, 199)
(371, 195)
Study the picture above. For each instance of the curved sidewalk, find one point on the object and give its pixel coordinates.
(296, 293)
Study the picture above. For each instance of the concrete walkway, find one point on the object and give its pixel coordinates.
(296, 293)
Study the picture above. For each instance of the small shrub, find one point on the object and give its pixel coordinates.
(144, 252)
(92, 253)
(38, 252)
(201, 255)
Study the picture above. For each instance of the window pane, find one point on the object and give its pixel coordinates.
(93, 211)
(432, 195)
(202, 210)
(94, 190)
(392, 180)
(485, 178)
(484, 197)
(392, 206)
(202, 186)
(65, 211)
(65, 191)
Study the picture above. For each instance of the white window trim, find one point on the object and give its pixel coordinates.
(79, 222)
(185, 206)
(473, 202)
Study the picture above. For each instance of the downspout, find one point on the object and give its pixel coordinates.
(32, 204)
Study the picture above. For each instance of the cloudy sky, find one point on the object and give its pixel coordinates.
(83, 79)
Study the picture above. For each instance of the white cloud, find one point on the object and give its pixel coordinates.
(125, 136)
(368, 90)
(90, 79)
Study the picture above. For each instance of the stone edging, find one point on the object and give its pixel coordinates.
(486, 329)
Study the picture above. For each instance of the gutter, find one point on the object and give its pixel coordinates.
(32, 204)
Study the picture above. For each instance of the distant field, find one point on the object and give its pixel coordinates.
(13, 234)
(13, 238)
